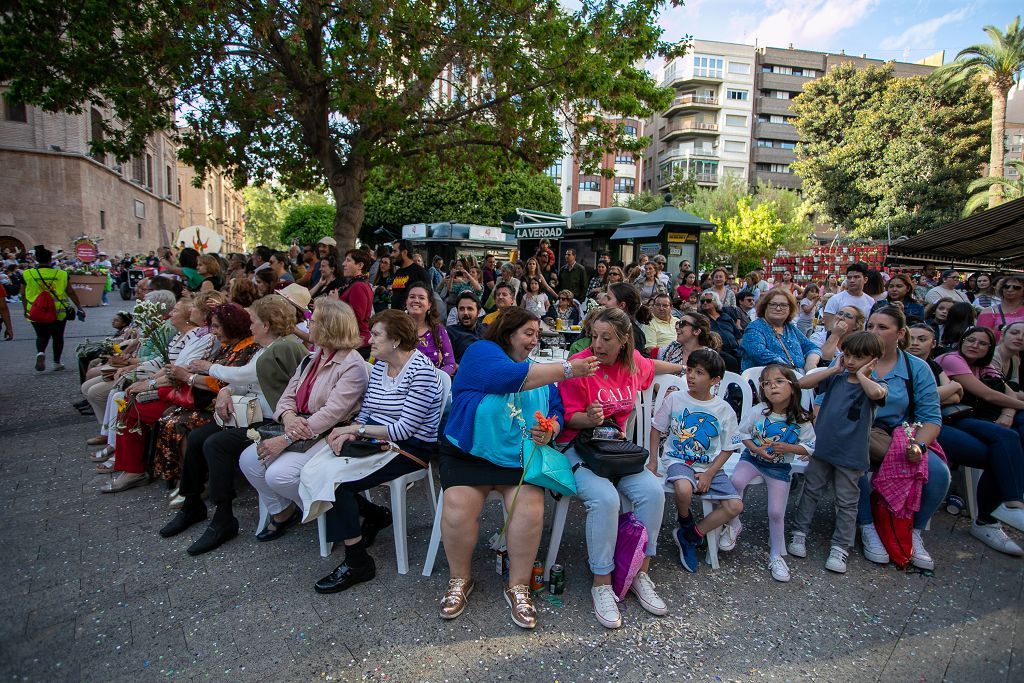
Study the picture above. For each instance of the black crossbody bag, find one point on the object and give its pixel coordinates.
(610, 458)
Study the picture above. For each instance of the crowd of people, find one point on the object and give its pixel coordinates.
(320, 375)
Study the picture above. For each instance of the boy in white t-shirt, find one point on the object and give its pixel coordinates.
(853, 295)
(700, 433)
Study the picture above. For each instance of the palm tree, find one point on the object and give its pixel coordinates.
(998, 64)
(981, 189)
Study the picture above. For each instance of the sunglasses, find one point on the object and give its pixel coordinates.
(683, 324)
(1015, 288)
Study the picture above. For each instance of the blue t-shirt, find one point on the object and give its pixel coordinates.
(843, 426)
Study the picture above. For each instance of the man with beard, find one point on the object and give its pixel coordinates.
(469, 327)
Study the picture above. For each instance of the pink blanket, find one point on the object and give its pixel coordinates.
(898, 481)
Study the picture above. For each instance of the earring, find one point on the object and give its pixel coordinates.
(396, 347)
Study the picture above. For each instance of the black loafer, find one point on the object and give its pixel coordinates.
(371, 527)
(344, 577)
(186, 517)
(213, 538)
(269, 534)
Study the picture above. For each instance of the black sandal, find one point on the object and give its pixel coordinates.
(275, 530)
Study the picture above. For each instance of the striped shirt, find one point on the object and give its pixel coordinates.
(408, 405)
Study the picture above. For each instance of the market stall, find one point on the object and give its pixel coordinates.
(587, 232)
(455, 240)
(668, 230)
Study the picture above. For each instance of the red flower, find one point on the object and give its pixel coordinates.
(545, 423)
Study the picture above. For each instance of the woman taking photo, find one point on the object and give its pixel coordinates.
(211, 452)
(726, 297)
(482, 451)
(599, 282)
(402, 405)
(991, 448)
(622, 373)
(693, 331)
(900, 370)
(434, 342)
(324, 392)
(382, 284)
(1009, 309)
(773, 338)
(899, 292)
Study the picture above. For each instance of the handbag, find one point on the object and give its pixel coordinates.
(549, 469)
(630, 546)
(246, 411)
(896, 533)
(147, 396)
(955, 413)
(606, 452)
(179, 394)
(273, 430)
(983, 410)
(365, 448)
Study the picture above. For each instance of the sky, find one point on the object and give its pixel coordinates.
(904, 30)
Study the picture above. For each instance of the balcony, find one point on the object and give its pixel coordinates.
(690, 101)
(774, 105)
(687, 129)
(707, 179)
(783, 82)
(773, 155)
(788, 180)
(698, 76)
(776, 131)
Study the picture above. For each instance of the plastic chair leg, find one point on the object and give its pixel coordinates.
(398, 513)
(321, 527)
(712, 536)
(970, 490)
(435, 537)
(433, 493)
(557, 528)
(264, 518)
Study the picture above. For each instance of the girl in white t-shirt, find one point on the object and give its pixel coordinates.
(535, 301)
(772, 433)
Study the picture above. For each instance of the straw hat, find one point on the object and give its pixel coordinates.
(297, 295)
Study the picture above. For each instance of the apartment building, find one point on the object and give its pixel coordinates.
(53, 189)
(780, 75)
(217, 205)
(706, 130)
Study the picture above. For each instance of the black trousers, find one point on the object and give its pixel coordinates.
(50, 331)
(211, 453)
(343, 519)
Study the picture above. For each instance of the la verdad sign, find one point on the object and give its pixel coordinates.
(540, 232)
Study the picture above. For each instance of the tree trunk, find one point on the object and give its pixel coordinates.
(995, 163)
(347, 186)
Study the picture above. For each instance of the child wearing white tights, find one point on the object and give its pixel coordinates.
(772, 432)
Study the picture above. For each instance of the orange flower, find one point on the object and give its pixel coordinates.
(545, 423)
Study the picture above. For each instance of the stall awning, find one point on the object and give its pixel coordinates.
(632, 233)
(994, 237)
(603, 219)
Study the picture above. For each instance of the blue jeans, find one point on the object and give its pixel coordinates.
(932, 495)
(601, 498)
(993, 449)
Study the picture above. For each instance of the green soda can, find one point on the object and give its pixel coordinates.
(556, 580)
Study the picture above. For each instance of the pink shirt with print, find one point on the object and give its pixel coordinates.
(614, 386)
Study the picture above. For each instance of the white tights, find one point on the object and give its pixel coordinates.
(778, 495)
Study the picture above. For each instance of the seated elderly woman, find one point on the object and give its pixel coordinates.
(212, 452)
(402, 405)
(324, 392)
(183, 398)
(773, 338)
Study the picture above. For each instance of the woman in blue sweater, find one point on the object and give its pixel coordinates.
(482, 451)
(773, 338)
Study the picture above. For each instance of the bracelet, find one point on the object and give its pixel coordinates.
(152, 383)
(567, 368)
(288, 439)
(191, 380)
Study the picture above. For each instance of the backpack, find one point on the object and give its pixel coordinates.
(629, 553)
(44, 307)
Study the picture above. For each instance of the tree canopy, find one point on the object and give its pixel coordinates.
(320, 94)
(307, 223)
(266, 208)
(881, 153)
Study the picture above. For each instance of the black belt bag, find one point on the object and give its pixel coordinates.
(607, 453)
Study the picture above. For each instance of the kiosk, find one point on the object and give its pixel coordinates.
(668, 230)
(453, 240)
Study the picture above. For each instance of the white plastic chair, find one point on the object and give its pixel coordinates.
(435, 533)
(399, 487)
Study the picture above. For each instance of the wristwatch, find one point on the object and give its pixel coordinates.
(922, 445)
(361, 431)
(288, 439)
(152, 383)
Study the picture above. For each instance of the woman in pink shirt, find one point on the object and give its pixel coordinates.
(610, 394)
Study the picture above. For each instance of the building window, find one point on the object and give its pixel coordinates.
(783, 70)
(167, 182)
(670, 72)
(15, 111)
(149, 171)
(735, 120)
(707, 67)
(96, 133)
(629, 130)
(138, 230)
(779, 144)
(554, 171)
(590, 185)
(772, 118)
(733, 171)
(625, 185)
(626, 159)
(786, 144)
(140, 209)
(775, 94)
(735, 146)
(138, 169)
(739, 68)
(742, 95)
(103, 220)
(773, 168)
(179, 190)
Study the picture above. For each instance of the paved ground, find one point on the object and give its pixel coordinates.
(93, 593)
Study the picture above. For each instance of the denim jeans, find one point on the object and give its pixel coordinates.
(993, 449)
(601, 498)
(932, 495)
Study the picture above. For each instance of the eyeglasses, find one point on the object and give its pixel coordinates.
(765, 383)
(778, 307)
(844, 314)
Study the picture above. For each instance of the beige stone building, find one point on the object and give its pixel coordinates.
(52, 189)
(217, 205)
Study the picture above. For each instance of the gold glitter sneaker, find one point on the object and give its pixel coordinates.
(454, 601)
(519, 600)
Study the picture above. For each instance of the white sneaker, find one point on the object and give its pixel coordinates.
(604, 606)
(727, 537)
(994, 537)
(797, 545)
(920, 557)
(643, 589)
(1012, 516)
(873, 548)
(778, 568)
(836, 561)
(58, 367)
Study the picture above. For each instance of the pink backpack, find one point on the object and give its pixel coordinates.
(629, 553)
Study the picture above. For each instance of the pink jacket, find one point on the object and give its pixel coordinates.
(337, 390)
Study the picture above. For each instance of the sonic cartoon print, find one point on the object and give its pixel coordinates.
(693, 436)
(768, 431)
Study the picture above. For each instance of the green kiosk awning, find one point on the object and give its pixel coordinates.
(651, 224)
(603, 219)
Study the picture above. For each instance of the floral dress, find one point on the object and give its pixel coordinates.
(173, 428)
